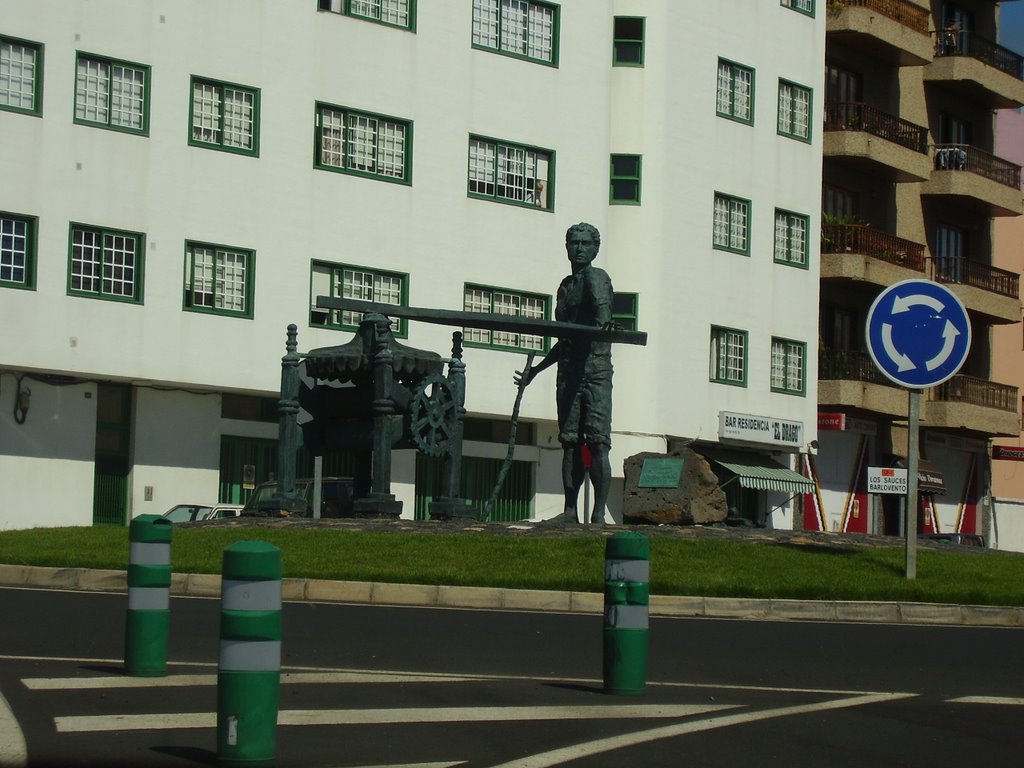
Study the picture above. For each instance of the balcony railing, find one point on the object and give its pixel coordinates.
(964, 157)
(961, 270)
(907, 14)
(862, 239)
(856, 116)
(953, 41)
(967, 389)
(849, 365)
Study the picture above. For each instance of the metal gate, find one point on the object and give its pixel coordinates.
(112, 460)
(515, 502)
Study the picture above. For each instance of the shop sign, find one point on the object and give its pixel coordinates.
(760, 429)
(841, 422)
(887, 480)
(1007, 453)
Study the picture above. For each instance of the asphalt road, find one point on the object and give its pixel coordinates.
(376, 686)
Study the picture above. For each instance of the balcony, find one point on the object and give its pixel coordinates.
(978, 69)
(986, 290)
(978, 405)
(895, 31)
(858, 252)
(852, 133)
(850, 378)
(977, 176)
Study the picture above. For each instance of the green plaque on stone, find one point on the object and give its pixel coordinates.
(660, 473)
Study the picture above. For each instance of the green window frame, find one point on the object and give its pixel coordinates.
(801, 6)
(791, 245)
(735, 92)
(391, 13)
(794, 110)
(524, 29)
(628, 41)
(18, 250)
(511, 173)
(21, 76)
(110, 93)
(224, 116)
(219, 279)
(505, 301)
(106, 263)
(728, 356)
(624, 188)
(731, 228)
(363, 144)
(789, 367)
(355, 282)
(626, 310)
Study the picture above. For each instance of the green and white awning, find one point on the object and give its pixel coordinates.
(763, 474)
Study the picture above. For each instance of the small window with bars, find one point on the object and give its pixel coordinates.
(735, 92)
(791, 238)
(502, 301)
(363, 144)
(111, 94)
(353, 282)
(728, 356)
(17, 251)
(225, 116)
(520, 28)
(731, 224)
(219, 279)
(106, 263)
(511, 173)
(21, 76)
(395, 13)
(788, 371)
(794, 111)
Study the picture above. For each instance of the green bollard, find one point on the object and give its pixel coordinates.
(626, 599)
(249, 671)
(148, 620)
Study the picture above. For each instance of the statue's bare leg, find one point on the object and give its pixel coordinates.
(572, 480)
(601, 477)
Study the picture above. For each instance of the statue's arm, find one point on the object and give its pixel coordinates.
(522, 378)
(603, 295)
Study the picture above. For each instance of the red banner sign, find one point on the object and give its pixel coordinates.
(1008, 453)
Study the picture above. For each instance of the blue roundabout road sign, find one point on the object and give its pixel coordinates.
(918, 333)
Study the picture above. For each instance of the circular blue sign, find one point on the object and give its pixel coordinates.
(918, 333)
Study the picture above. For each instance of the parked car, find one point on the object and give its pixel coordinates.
(963, 539)
(224, 510)
(335, 497)
(190, 513)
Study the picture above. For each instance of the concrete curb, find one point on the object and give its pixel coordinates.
(377, 593)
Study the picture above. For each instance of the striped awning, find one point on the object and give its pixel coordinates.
(763, 474)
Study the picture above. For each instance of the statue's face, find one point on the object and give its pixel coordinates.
(581, 248)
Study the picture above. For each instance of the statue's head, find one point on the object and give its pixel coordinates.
(590, 229)
(582, 242)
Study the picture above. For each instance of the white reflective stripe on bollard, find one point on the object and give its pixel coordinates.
(246, 595)
(626, 617)
(250, 656)
(149, 598)
(149, 553)
(627, 570)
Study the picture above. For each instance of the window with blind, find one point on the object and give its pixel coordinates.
(354, 282)
(363, 144)
(791, 238)
(219, 279)
(728, 356)
(511, 173)
(111, 94)
(735, 92)
(732, 224)
(21, 76)
(503, 301)
(794, 111)
(224, 116)
(521, 28)
(788, 372)
(395, 13)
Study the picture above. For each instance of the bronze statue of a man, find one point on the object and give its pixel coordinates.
(584, 378)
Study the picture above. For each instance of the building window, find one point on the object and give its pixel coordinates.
(17, 251)
(625, 310)
(794, 111)
(511, 173)
(225, 116)
(625, 180)
(791, 238)
(106, 263)
(112, 94)
(219, 279)
(501, 301)
(350, 282)
(628, 48)
(732, 224)
(517, 28)
(21, 76)
(735, 91)
(788, 372)
(804, 6)
(397, 13)
(729, 356)
(363, 144)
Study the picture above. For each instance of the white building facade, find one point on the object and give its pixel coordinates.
(182, 178)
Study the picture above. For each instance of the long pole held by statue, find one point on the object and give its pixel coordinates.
(512, 428)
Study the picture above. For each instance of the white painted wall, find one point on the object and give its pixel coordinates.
(1007, 524)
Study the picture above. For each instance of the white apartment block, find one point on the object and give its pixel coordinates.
(182, 178)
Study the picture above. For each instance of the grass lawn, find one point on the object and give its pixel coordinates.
(678, 566)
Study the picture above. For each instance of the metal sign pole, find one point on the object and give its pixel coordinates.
(914, 408)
